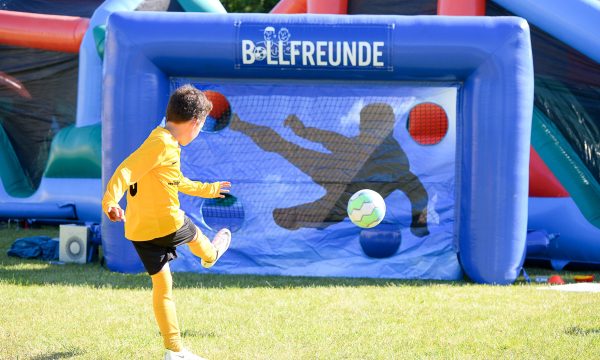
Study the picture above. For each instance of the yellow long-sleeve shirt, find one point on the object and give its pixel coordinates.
(152, 174)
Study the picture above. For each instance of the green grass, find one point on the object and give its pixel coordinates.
(87, 312)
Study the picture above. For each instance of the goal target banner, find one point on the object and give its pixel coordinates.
(296, 151)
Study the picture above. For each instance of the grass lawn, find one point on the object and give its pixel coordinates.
(87, 312)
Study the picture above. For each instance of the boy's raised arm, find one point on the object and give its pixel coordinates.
(205, 190)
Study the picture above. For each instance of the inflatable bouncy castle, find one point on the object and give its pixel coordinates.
(50, 107)
(432, 112)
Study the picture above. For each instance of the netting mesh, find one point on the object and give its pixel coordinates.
(297, 152)
(223, 212)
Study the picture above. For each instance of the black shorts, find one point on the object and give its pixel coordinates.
(157, 252)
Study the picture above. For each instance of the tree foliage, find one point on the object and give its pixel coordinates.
(249, 6)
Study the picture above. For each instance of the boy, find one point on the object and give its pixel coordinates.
(154, 223)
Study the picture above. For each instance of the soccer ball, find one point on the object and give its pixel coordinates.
(366, 208)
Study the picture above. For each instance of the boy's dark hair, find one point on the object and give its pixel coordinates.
(187, 103)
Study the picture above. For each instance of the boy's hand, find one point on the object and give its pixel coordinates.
(223, 188)
(115, 213)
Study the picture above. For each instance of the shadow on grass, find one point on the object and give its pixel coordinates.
(578, 331)
(59, 355)
(196, 333)
(38, 273)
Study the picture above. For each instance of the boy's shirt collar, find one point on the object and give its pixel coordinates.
(164, 130)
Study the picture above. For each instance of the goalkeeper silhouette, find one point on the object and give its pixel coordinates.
(372, 160)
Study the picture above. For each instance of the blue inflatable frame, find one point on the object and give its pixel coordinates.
(489, 57)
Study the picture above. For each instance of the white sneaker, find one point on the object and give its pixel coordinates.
(184, 354)
(221, 243)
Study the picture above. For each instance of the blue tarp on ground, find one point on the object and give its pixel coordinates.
(35, 247)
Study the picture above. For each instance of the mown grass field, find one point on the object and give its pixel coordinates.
(87, 312)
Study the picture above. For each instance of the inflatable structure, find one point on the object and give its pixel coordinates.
(51, 145)
(319, 108)
(295, 96)
(564, 198)
(50, 167)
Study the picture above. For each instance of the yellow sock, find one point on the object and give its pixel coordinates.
(202, 247)
(164, 309)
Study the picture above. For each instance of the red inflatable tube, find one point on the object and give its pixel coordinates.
(327, 7)
(461, 7)
(290, 7)
(39, 31)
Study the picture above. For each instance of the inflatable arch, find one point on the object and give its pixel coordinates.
(295, 94)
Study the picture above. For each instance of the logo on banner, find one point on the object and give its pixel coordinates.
(279, 48)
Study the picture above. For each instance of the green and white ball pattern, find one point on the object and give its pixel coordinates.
(366, 208)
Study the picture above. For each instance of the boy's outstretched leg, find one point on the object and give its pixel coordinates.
(209, 251)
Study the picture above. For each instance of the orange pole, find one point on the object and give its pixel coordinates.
(40, 31)
(461, 7)
(290, 7)
(327, 6)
